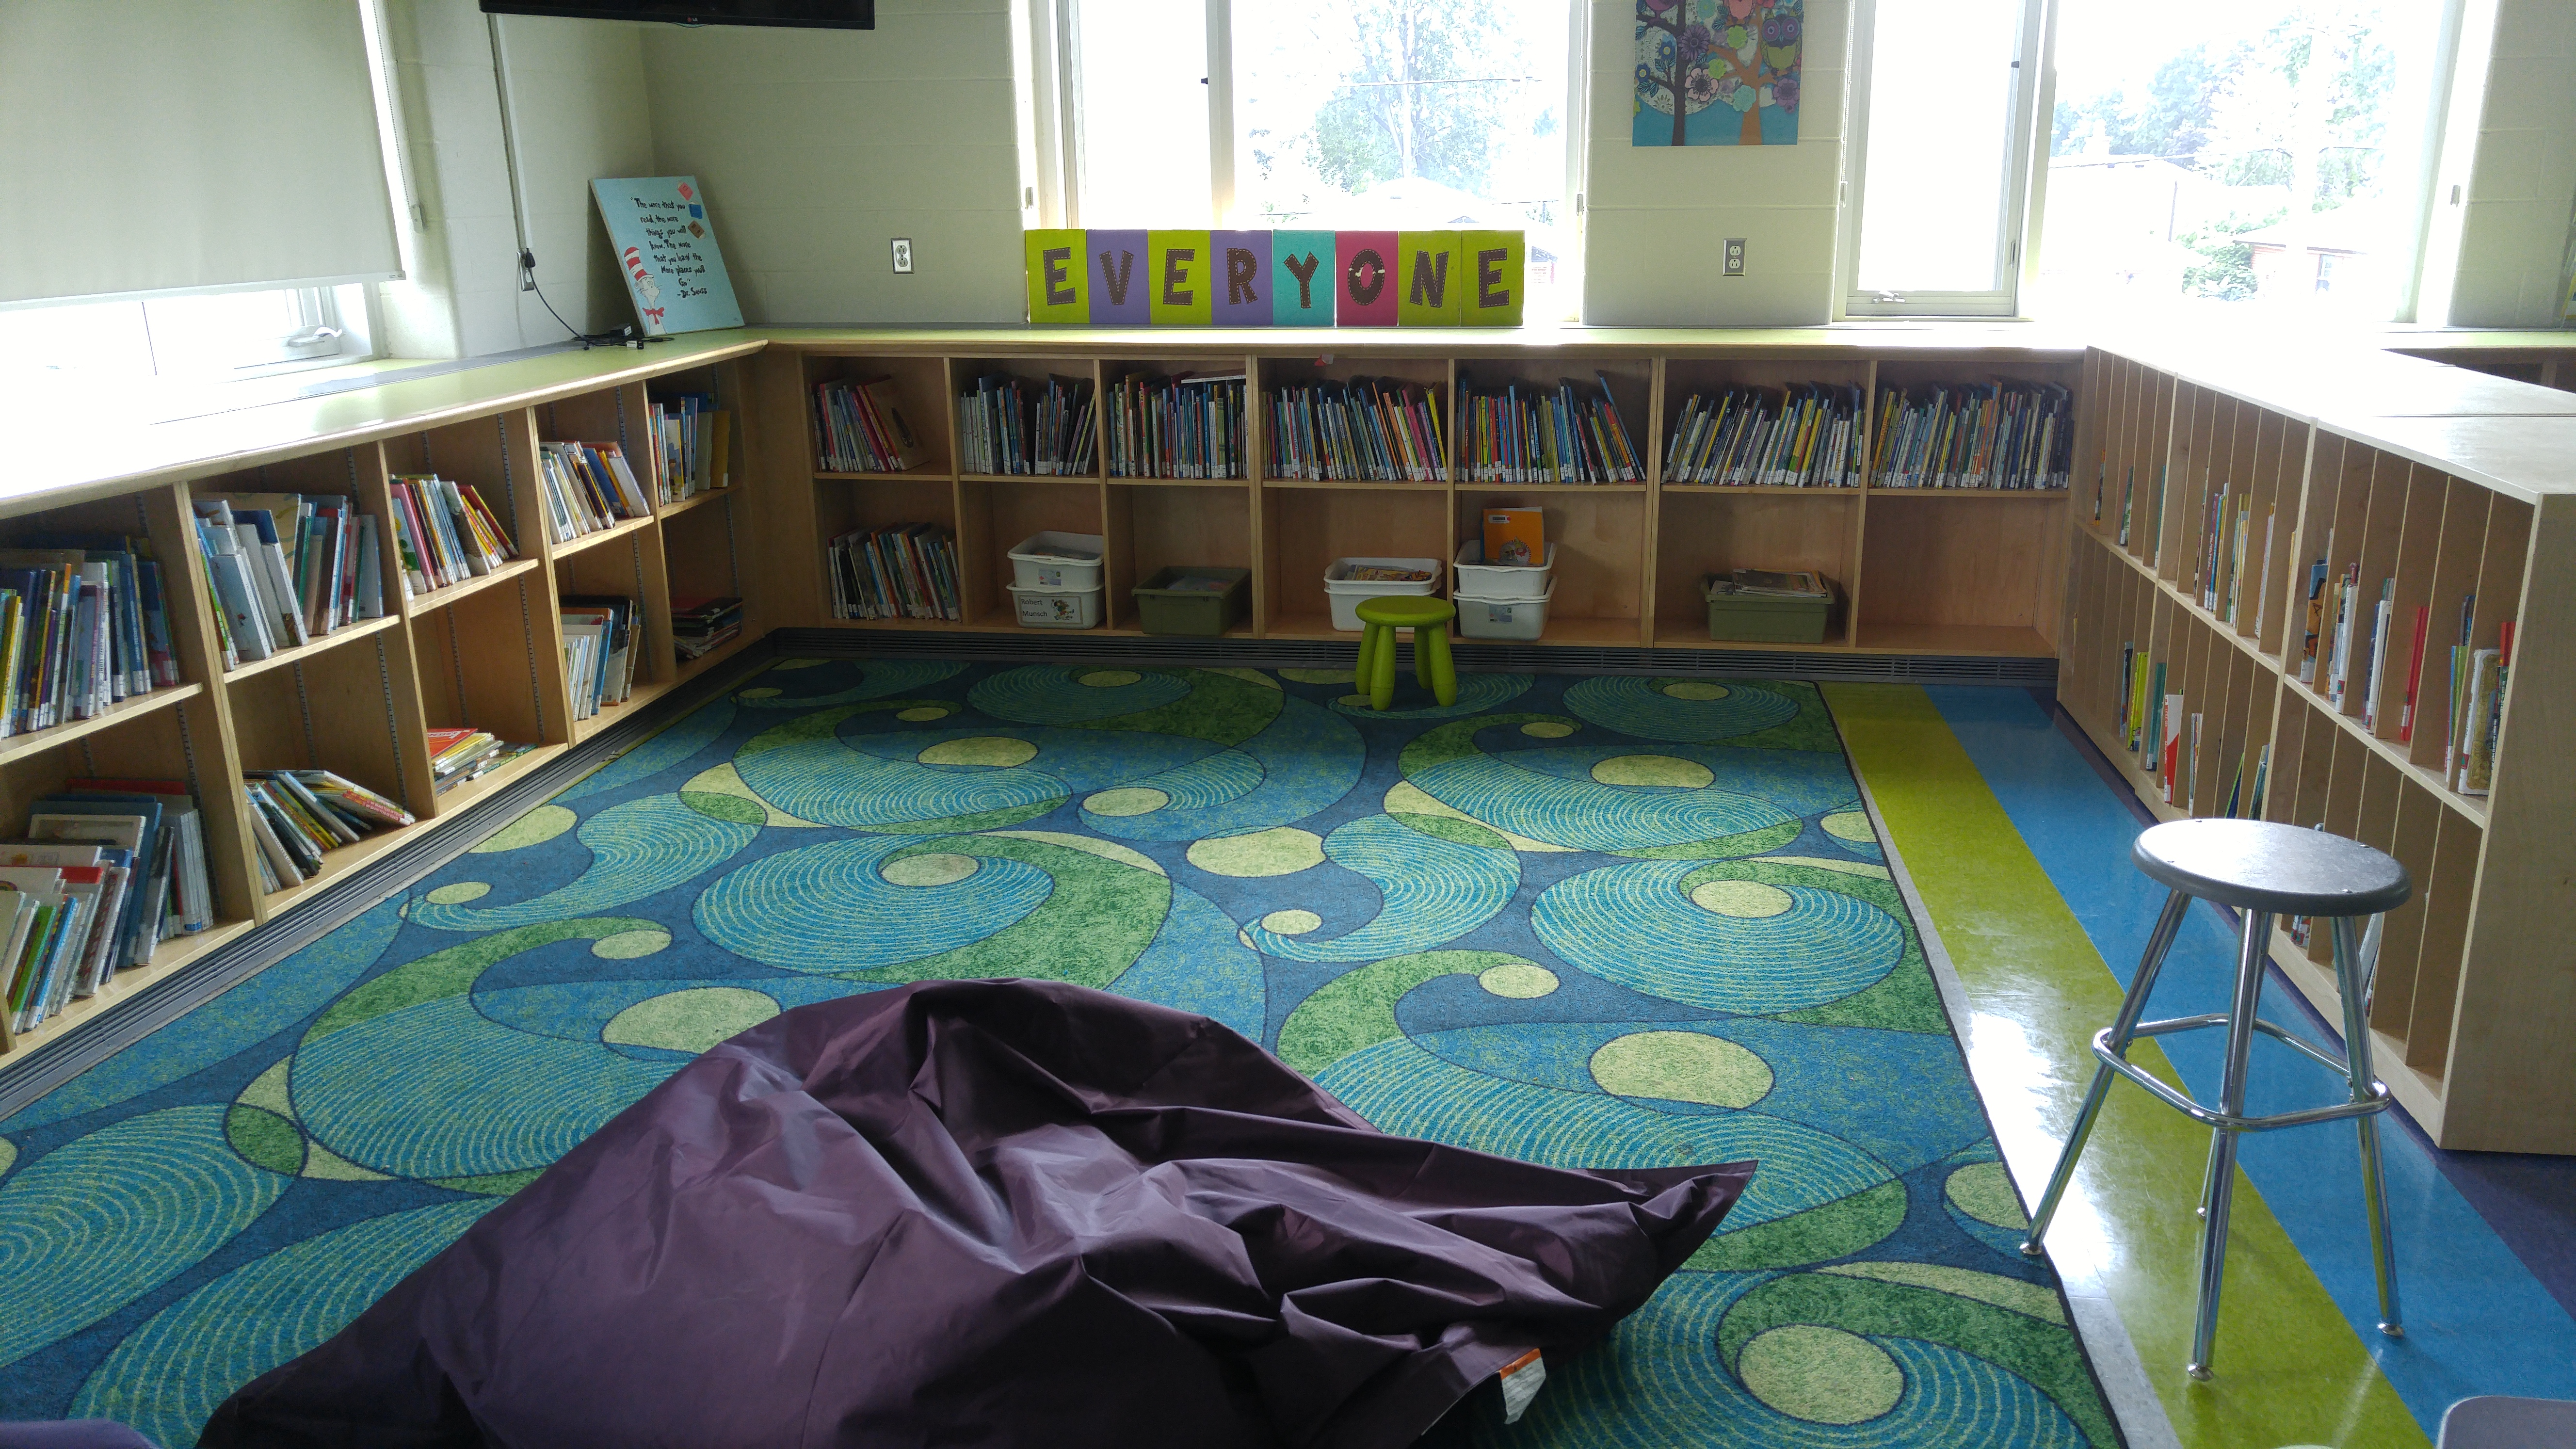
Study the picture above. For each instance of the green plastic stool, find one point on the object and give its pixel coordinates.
(1429, 620)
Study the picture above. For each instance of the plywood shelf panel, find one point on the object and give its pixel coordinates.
(625, 529)
(466, 588)
(694, 501)
(303, 653)
(17, 747)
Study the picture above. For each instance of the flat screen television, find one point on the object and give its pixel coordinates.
(815, 14)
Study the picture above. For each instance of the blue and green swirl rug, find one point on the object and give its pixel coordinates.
(1580, 921)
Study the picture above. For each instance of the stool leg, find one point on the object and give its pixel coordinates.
(1369, 634)
(1431, 666)
(1381, 680)
(2219, 1191)
(2351, 979)
(2132, 1007)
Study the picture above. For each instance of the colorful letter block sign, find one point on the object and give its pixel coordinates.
(1275, 278)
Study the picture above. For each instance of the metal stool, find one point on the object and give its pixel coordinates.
(2262, 870)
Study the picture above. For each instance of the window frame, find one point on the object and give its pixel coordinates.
(2025, 182)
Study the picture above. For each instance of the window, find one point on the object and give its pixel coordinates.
(1938, 176)
(2271, 153)
(201, 338)
(1334, 114)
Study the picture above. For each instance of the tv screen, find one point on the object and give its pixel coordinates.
(817, 14)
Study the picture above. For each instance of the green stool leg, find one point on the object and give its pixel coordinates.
(1369, 634)
(1431, 666)
(1381, 679)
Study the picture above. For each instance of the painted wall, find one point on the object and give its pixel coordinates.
(1657, 216)
(817, 147)
(2515, 235)
(577, 102)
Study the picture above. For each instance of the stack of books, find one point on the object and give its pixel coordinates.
(298, 815)
(459, 755)
(995, 433)
(908, 571)
(80, 628)
(692, 437)
(1806, 435)
(288, 568)
(1772, 584)
(1974, 435)
(1190, 426)
(859, 427)
(588, 487)
(1370, 430)
(107, 871)
(700, 625)
(1525, 434)
(601, 632)
(444, 532)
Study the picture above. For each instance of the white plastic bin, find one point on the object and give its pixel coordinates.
(1057, 608)
(1042, 561)
(1479, 579)
(1345, 594)
(1488, 618)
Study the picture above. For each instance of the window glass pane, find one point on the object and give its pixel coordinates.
(1941, 90)
(2268, 154)
(99, 340)
(1389, 114)
(227, 330)
(1143, 112)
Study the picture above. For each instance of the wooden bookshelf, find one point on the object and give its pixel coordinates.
(2455, 491)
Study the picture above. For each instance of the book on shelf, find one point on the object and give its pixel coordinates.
(2128, 494)
(906, 571)
(1515, 537)
(444, 533)
(859, 427)
(2414, 673)
(602, 638)
(1804, 435)
(1006, 426)
(103, 875)
(1365, 430)
(2314, 628)
(1529, 433)
(287, 568)
(298, 816)
(2170, 727)
(457, 755)
(2380, 620)
(700, 625)
(587, 487)
(82, 626)
(1188, 426)
(2005, 434)
(691, 453)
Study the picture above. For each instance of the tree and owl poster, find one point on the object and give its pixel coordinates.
(1718, 72)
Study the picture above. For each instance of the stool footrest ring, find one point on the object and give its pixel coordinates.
(2331, 1061)
(2377, 1101)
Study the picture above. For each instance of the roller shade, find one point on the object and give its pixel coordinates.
(156, 145)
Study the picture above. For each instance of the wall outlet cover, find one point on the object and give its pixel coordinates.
(1735, 256)
(903, 256)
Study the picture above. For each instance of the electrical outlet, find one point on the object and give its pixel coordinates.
(1735, 256)
(903, 256)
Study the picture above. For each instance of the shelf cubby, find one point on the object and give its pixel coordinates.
(1033, 373)
(1710, 530)
(1428, 373)
(1000, 514)
(921, 392)
(1598, 539)
(1303, 531)
(1988, 578)
(1685, 377)
(1151, 527)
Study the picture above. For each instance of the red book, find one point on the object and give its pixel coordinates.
(2414, 674)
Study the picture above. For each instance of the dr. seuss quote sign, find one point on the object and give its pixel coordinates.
(666, 248)
(1275, 278)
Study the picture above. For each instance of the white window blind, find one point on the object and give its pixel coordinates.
(166, 145)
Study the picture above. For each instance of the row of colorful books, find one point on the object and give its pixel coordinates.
(2168, 741)
(1521, 433)
(908, 571)
(587, 487)
(297, 816)
(702, 625)
(2229, 556)
(1973, 435)
(859, 427)
(1805, 435)
(287, 568)
(1369, 430)
(692, 441)
(459, 754)
(1190, 426)
(995, 432)
(105, 872)
(444, 532)
(603, 635)
(83, 624)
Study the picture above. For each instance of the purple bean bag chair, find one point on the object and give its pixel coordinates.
(988, 1213)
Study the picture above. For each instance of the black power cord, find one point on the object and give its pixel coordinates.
(622, 337)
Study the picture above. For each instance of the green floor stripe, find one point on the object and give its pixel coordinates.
(2291, 1371)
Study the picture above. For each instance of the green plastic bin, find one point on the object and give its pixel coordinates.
(1200, 601)
(1753, 619)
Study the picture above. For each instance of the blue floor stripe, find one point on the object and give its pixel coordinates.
(2477, 1321)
